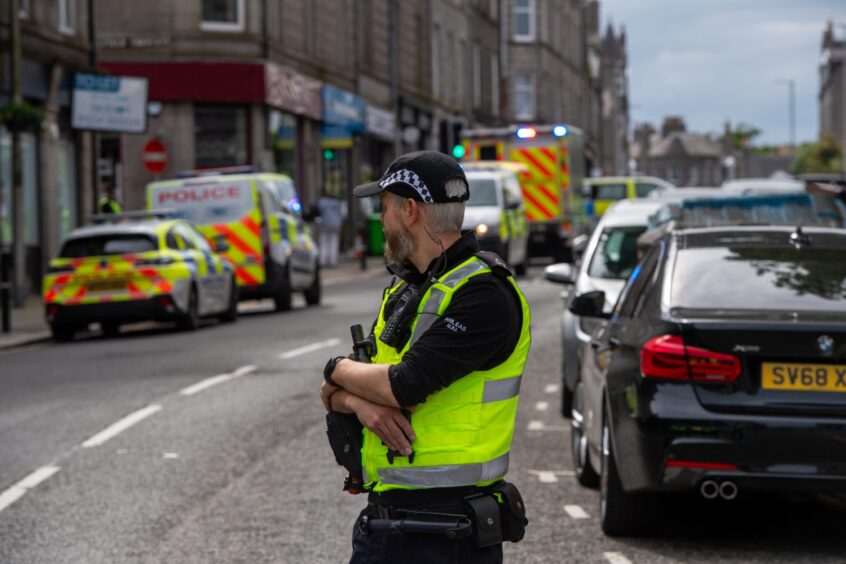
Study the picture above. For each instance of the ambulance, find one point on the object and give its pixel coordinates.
(551, 182)
(258, 218)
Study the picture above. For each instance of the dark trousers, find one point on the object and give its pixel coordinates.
(388, 548)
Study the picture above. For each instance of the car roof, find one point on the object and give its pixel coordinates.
(487, 173)
(149, 227)
(755, 184)
(755, 235)
(617, 179)
(216, 178)
(630, 212)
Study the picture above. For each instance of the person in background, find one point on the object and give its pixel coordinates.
(332, 212)
(108, 202)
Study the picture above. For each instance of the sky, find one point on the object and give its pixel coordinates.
(716, 60)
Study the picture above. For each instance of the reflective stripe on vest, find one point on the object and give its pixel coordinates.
(447, 476)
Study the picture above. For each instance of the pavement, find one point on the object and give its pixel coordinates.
(29, 326)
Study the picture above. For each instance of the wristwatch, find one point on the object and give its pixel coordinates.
(329, 369)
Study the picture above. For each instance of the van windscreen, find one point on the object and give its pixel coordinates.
(482, 192)
(204, 203)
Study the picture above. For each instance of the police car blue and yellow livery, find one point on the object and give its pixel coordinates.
(133, 271)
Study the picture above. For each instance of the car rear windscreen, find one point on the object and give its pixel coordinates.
(760, 278)
(616, 253)
(101, 245)
(482, 192)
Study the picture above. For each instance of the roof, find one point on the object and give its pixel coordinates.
(630, 212)
(690, 144)
(763, 184)
(486, 174)
(150, 227)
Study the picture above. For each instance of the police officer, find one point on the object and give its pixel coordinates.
(107, 202)
(439, 398)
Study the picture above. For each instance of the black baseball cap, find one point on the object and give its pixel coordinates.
(421, 175)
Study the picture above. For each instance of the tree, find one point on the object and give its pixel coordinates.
(742, 135)
(826, 155)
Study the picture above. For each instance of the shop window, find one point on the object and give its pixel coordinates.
(523, 18)
(220, 136)
(67, 16)
(283, 135)
(524, 97)
(222, 15)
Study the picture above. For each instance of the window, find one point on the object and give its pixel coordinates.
(436, 62)
(616, 253)
(101, 245)
(23, 8)
(67, 16)
(482, 192)
(609, 191)
(220, 135)
(642, 189)
(524, 96)
(170, 241)
(523, 19)
(495, 84)
(222, 15)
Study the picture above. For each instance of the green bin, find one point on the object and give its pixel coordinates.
(375, 235)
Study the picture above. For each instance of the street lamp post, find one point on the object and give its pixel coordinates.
(791, 107)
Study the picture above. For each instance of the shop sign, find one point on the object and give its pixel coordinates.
(102, 102)
(335, 137)
(343, 108)
(288, 90)
(381, 123)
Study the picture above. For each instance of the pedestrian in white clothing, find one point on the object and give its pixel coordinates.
(332, 212)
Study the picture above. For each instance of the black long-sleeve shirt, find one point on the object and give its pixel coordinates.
(478, 331)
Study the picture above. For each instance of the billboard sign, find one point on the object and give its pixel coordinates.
(104, 102)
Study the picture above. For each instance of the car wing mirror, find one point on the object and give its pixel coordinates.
(589, 304)
(560, 273)
(512, 205)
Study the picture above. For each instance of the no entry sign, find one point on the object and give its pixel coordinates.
(155, 156)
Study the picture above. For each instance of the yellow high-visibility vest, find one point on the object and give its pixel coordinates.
(463, 431)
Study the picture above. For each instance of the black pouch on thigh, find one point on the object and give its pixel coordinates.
(512, 510)
(485, 514)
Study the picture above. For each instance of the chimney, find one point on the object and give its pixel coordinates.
(642, 135)
(672, 124)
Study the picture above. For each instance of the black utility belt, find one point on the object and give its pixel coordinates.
(492, 516)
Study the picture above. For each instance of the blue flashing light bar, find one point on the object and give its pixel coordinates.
(526, 133)
(560, 131)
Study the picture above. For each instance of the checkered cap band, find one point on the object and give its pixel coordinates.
(411, 179)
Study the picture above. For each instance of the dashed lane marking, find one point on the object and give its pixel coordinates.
(120, 426)
(550, 476)
(542, 405)
(576, 512)
(309, 348)
(18, 490)
(172, 455)
(219, 379)
(616, 558)
(536, 425)
(551, 388)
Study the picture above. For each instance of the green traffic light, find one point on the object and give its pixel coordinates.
(459, 151)
(329, 154)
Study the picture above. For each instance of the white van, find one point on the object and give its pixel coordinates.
(497, 213)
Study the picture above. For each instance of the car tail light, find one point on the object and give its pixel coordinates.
(701, 465)
(669, 358)
(166, 302)
(52, 310)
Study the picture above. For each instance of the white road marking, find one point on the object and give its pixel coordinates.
(551, 388)
(171, 455)
(576, 512)
(120, 426)
(550, 476)
(542, 405)
(309, 348)
(219, 379)
(18, 490)
(616, 558)
(536, 425)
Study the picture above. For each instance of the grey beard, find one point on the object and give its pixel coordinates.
(398, 246)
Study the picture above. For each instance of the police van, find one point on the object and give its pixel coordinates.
(258, 218)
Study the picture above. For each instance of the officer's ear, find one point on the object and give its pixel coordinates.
(410, 210)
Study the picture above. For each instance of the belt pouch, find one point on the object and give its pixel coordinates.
(513, 511)
(345, 437)
(484, 511)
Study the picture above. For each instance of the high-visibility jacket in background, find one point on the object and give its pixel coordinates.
(108, 205)
(463, 431)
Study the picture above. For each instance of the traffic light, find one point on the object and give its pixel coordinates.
(328, 155)
(458, 152)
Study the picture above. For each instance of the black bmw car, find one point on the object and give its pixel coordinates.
(721, 370)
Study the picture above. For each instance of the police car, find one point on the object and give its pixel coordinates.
(127, 271)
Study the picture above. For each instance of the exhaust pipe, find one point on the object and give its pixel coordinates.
(728, 490)
(710, 489)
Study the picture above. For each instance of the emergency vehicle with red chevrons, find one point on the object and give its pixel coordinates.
(259, 217)
(551, 181)
(126, 271)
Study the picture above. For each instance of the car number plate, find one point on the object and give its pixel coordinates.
(106, 286)
(803, 377)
